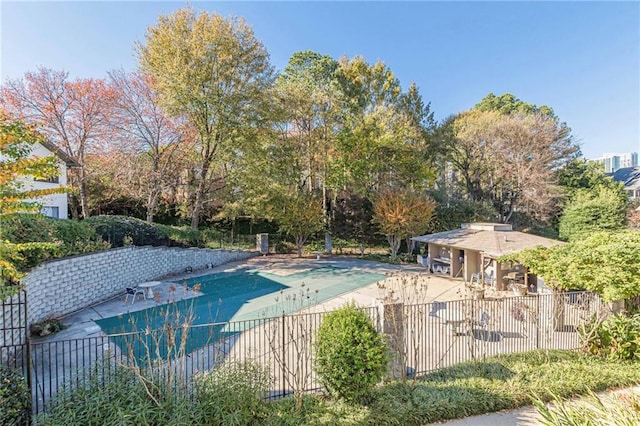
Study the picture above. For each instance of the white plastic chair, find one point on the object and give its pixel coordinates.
(488, 279)
(133, 291)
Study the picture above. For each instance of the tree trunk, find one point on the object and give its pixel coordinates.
(195, 213)
(299, 244)
(197, 205)
(394, 242)
(154, 190)
(83, 194)
(152, 201)
(410, 244)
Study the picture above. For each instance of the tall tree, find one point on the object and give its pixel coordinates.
(511, 160)
(71, 113)
(584, 174)
(213, 73)
(509, 104)
(386, 133)
(147, 132)
(311, 97)
(17, 169)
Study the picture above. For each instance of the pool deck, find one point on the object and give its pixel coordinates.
(411, 283)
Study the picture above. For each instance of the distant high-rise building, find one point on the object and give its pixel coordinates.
(614, 162)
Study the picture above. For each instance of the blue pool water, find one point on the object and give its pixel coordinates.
(238, 296)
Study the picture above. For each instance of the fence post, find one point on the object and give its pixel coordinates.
(27, 341)
(558, 308)
(538, 322)
(392, 325)
(284, 356)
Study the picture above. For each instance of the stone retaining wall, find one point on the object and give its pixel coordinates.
(67, 285)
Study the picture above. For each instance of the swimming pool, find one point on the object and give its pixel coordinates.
(243, 295)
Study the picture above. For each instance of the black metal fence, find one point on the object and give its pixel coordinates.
(14, 348)
(424, 338)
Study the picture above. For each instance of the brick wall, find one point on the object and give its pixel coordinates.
(67, 285)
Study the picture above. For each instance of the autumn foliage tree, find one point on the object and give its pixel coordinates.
(511, 160)
(144, 130)
(71, 113)
(17, 169)
(402, 214)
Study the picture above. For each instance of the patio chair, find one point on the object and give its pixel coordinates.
(475, 279)
(488, 279)
(133, 292)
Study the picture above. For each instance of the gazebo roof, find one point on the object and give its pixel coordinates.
(492, 239)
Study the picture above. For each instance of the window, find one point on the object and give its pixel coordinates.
(51, 211)
(54, 179)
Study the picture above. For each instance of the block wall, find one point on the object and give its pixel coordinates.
(68, 285)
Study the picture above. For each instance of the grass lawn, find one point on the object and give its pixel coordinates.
(467, 389)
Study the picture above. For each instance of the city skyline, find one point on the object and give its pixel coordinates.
(615, 161)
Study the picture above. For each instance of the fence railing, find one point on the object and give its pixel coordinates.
(424, 338)
(13, 333)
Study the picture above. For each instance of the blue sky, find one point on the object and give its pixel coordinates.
(580, 58)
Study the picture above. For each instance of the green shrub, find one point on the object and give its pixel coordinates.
(118, 400)
(70, 237)
(183, 236)
(45, 327)
(351, 356)
(123, 230)
(117, 229)
(616, 338)
(15, 398)
(232, 394)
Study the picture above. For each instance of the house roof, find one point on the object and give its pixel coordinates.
(70, 162)
(493, 240)
(629, 176)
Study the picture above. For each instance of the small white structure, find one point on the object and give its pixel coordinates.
(54, 205)
(471, 252)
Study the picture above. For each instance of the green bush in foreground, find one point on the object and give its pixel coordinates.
(351, 356)
(616, 338)
(121, 400)
(233, 397)
(230, 395)
(15, 398)
(233, 394)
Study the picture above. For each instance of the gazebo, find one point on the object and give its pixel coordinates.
(472, 251)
